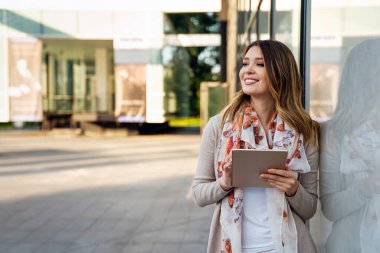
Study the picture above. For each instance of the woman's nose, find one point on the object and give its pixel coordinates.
(250, 69)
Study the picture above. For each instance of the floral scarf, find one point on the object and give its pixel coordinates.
(246, 132)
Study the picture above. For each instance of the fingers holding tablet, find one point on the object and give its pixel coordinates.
(281, 179)
(226, 180)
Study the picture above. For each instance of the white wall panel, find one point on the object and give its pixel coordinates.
(130, 5)
(4, 99)
(155, 93)
(60, 23)
(95, 24)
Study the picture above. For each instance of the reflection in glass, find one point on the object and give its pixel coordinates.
(350, 156)
(176, 63)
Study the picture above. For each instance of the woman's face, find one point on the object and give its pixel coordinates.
(253, 74)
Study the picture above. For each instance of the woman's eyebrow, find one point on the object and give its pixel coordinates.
(257, 58)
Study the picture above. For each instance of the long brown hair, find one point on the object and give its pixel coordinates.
(285, 86)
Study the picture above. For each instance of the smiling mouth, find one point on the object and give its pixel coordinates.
(250, 81)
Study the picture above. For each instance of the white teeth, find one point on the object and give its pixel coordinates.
(250, 81)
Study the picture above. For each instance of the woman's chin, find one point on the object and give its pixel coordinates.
(249, 90)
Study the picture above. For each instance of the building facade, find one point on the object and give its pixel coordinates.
(88, 61)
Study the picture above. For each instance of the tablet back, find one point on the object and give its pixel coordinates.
(248, 164)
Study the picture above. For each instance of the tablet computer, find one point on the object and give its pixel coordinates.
(248, 164)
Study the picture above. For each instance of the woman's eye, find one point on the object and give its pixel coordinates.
(245, 64)
(260, 64)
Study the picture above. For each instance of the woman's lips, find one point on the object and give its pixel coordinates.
(249, 81)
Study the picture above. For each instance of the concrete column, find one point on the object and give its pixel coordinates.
(223, 19)
(231, 48)
(101, 80)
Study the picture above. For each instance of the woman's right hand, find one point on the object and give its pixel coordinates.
(226, 180)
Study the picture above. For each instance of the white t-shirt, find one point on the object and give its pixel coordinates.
(256, 234)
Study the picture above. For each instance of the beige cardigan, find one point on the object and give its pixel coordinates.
(207, 190)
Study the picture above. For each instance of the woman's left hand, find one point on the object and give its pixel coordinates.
(282, 180)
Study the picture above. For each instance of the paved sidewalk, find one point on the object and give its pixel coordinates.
(100, 195)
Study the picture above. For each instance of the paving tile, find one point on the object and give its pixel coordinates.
(151, 224)
(127, 224)
(35, 223)
(152, 236)
(56, 224)
(4, 246)
(52, 247)
(81, 246)
(66, 236)
(172, 234)
(142, 247)
(195, 236)
(13, 222)
(93, 236)
(23, 248)
(80, 224)
(82, 250)
(193, 247)
(103, 224)
(102, 195)
(109, 248)
(40, 236)
(94, 212)
(166, 247)
(14, 236)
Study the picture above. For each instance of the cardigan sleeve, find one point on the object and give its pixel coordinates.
(304, 201)
(205, 188)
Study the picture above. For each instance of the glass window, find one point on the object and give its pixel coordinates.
(335, 30)
(287, 24)
(344, 88)
(264, 20)
(191, 23)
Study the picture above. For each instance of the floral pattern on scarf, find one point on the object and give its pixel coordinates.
(246, 132)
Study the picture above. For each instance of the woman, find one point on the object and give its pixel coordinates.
(265, 114)
(350, 156)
